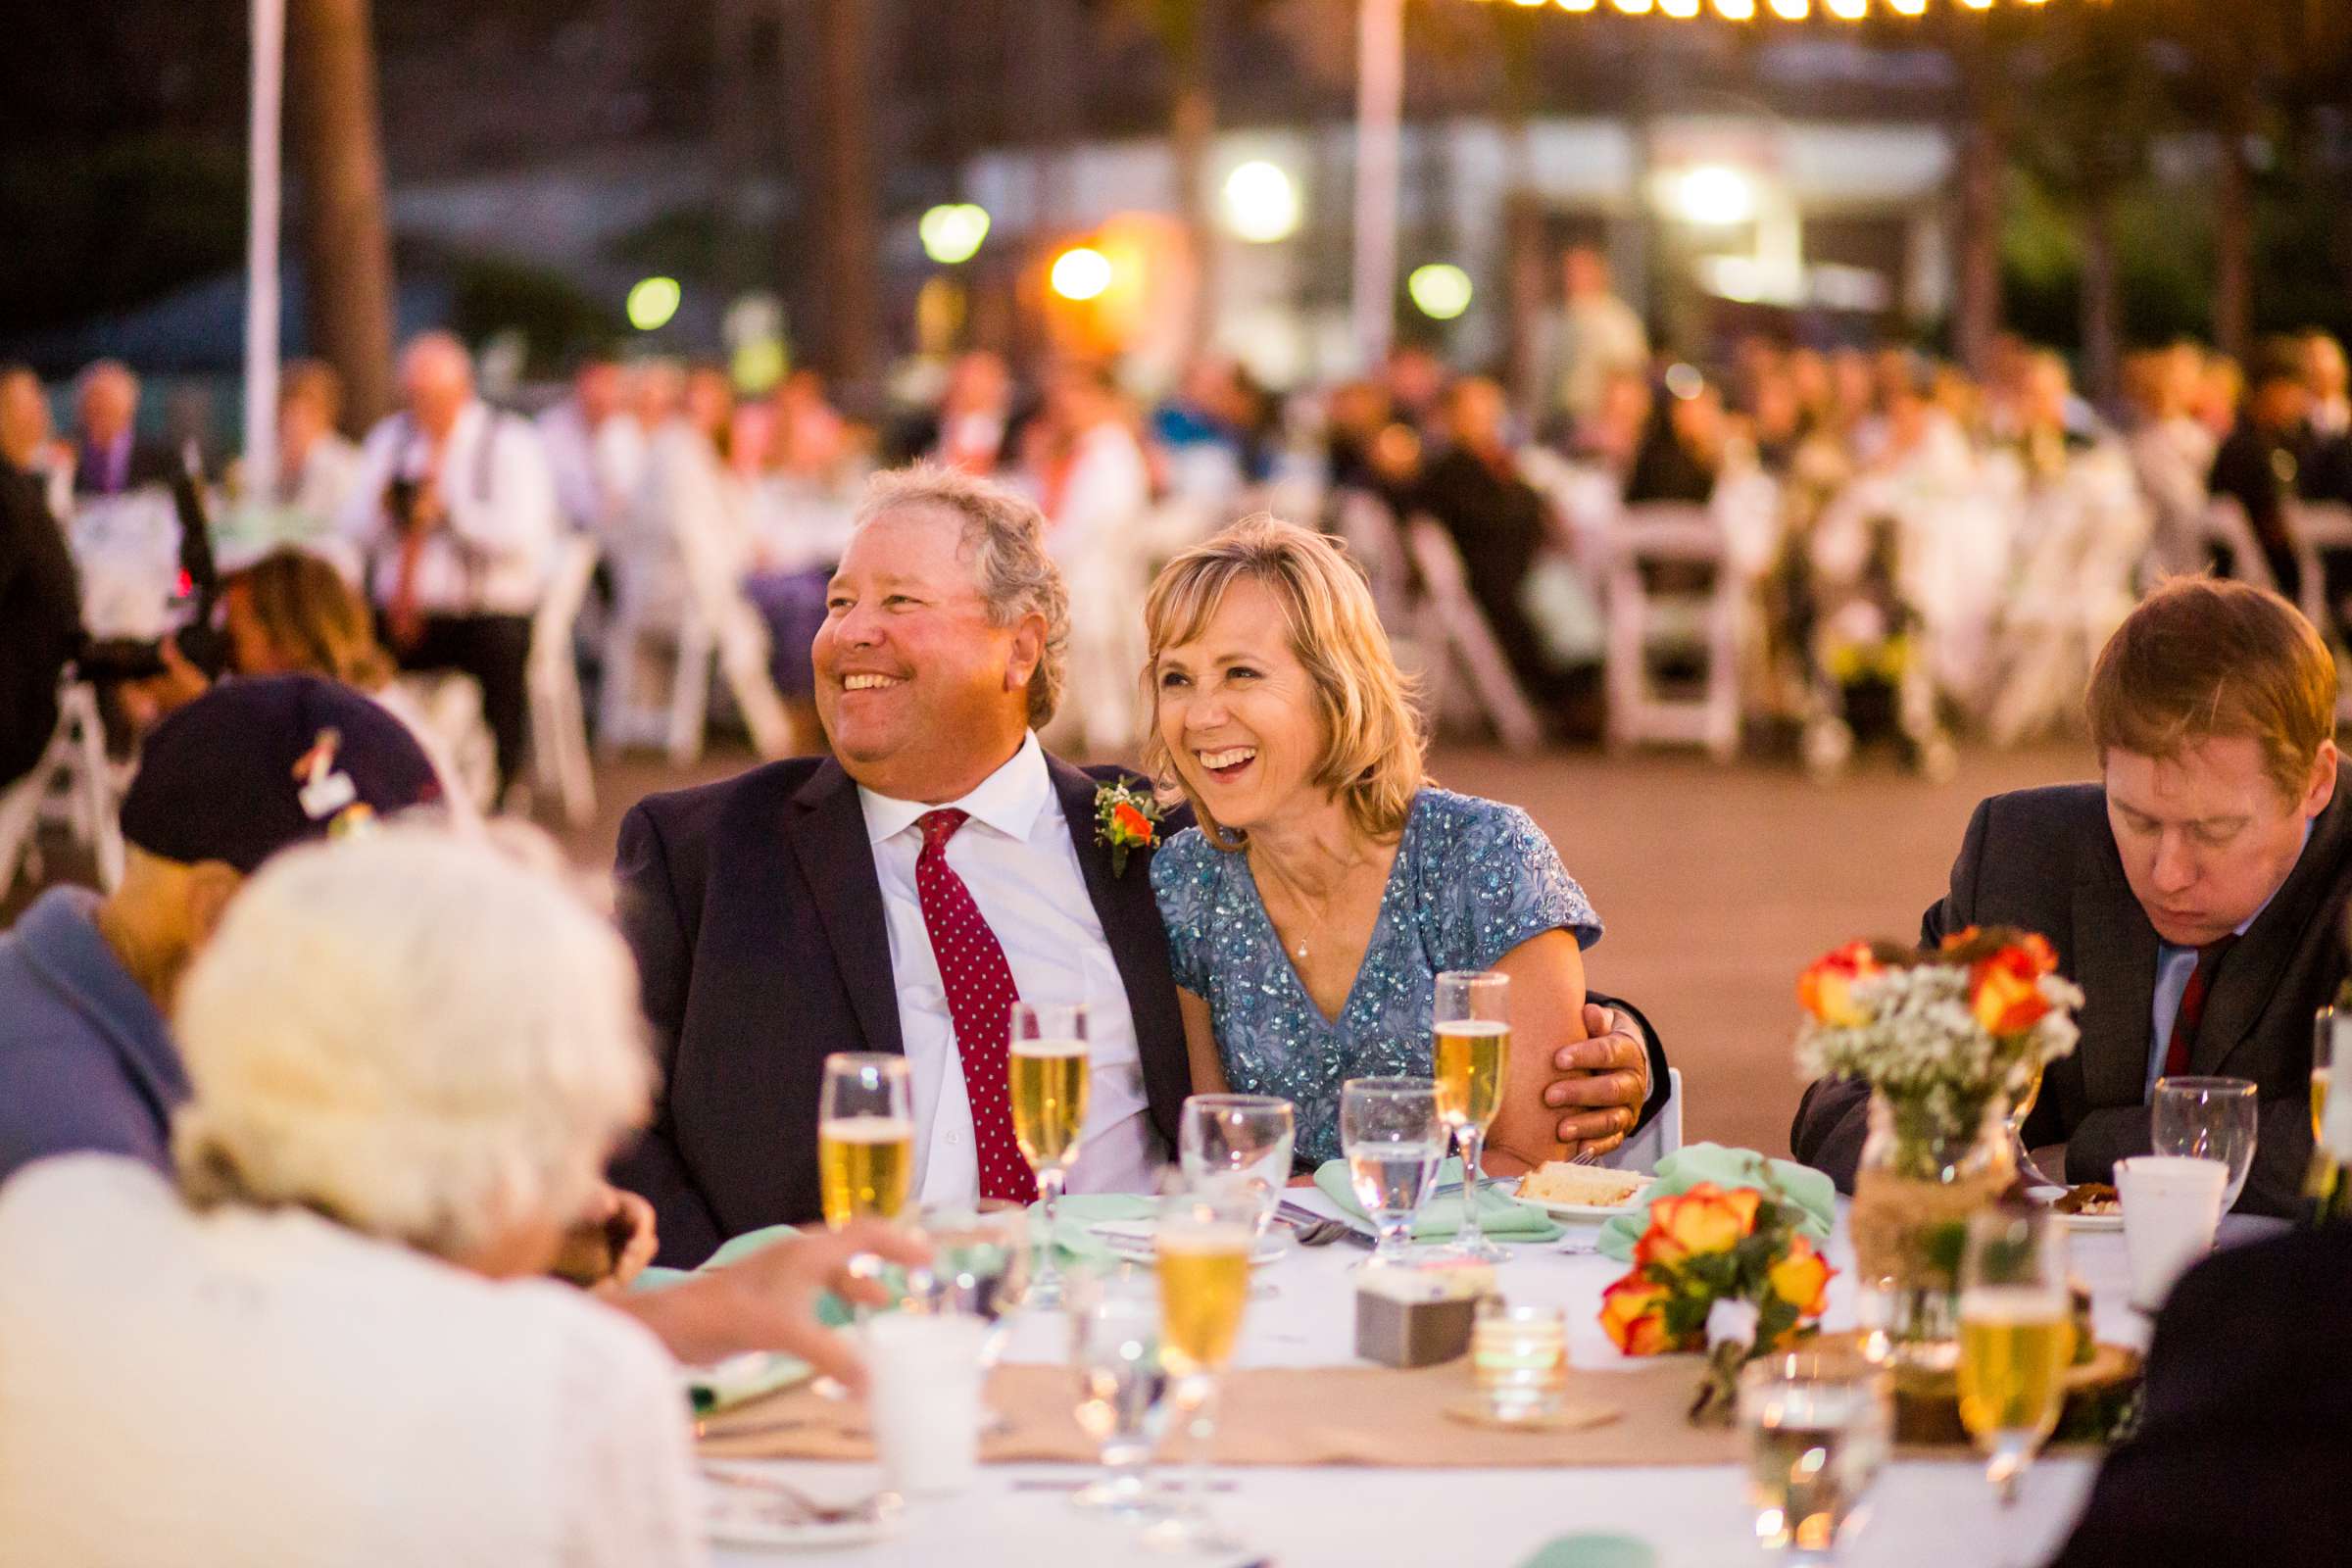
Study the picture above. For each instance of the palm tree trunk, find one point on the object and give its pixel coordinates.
(2234, 239)
(346, 244)
(1977, 310)
(2102, 300)
(847, 220)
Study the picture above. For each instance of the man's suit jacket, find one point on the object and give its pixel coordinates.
(2243, 1447)
(2045, 859)
(148, 463)
(756, 915)
(40, 605)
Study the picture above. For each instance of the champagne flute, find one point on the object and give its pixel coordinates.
(2017, 1338)
(1471, 1054)
(1123, 1384)
(1049, 1076)
(2208, 1118)
(1395, 1141)
(865, 1136)
(1202, 1247)
(1246, 1139)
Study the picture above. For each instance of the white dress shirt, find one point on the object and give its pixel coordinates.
(491, 554)
(1016, 856)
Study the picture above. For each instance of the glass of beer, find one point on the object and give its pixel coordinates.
(1394, 1140)
(1471, 1060)
(865, 1136)
(1243, 1139)
(1203, 1245)
(1049, 1074)
(2017, 1338)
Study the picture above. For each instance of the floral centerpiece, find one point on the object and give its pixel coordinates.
(1946, 1038)
(1718, 1269)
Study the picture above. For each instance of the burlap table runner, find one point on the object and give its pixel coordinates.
(1347, 1415)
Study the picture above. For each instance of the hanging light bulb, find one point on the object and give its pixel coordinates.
(1736, 9)
(1910, 8)
(1680, 10)
(1790, 9)
(1849, 9)
(1635, 8)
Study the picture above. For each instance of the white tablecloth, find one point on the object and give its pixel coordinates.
(1922, 1515)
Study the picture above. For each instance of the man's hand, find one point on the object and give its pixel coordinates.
(1607, 1082)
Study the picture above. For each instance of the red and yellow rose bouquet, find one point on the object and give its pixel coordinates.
(1727, 1265)
(1938, 1031)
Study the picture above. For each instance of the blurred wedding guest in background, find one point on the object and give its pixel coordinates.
(2171, 453)
(969, 428)
(2243, 1405)
(86, 982)
(109, 458)
(1682, 451)
(570, 431)
(2258, 465)
(2196, 893)
(317, 468)
(2326, 472)
(40, 592)
(825, 905)
(454, 514)
(404, 1062)
(1595, 339)
(1498, 522)
(1327, 883)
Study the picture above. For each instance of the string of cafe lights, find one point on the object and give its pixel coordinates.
(1752, 10)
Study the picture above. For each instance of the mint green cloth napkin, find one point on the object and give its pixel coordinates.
(1809, 1190)
(1593, 1551)
(748, 1376)
(1506, 1219)
(1076, 1213)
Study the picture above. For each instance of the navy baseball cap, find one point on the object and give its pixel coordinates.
(259, 764)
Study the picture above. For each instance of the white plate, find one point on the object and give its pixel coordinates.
(2093, 1222)
(1592, 1212)
(746, 1516)
(1132, 1239)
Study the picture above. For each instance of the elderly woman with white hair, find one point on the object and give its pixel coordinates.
(409, 1058)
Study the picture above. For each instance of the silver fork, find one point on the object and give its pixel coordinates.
(1312, 1228)
(862, 1510)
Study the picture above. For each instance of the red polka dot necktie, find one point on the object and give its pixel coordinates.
(980, 998)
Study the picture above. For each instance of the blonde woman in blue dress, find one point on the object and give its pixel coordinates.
(1327, 883)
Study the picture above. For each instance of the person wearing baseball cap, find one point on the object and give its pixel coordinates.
(86, 983)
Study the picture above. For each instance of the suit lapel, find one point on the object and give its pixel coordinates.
(1139, 946)
(2115, 965)
(2249, 977)
(826, 828)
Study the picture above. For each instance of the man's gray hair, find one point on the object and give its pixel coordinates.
(1004, 541)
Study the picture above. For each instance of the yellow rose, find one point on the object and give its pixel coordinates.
(1801, 1278)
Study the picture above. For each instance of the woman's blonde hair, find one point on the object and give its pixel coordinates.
(1374, 747)
(316, 621)
(413, 1035)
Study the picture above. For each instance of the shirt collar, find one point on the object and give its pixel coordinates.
(1010, 799)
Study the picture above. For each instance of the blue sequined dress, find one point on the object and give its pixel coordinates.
(1473, 879)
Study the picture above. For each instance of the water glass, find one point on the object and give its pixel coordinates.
(2208, 1118)
(980, 1262)
(1122, 1383)
(2017, 1338)
(1246, 1139)
(1519, 1359)
(1393, 1137)
(1819, 1424)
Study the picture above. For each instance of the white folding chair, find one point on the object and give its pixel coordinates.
(70, 783)
(1453, 634)
(1662, 1136)
(559, 720)
(2224, 523)
(1669, 536)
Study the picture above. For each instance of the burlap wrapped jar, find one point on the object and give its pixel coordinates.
(1919, 1181)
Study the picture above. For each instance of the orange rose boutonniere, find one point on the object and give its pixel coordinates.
(1126, 820)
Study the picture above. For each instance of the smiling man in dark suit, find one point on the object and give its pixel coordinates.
(2196, 895)
(894, 898)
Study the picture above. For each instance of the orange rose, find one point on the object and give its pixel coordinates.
(1132, 822)
(1633, 1313)
(2038, 947)
(1706, 1220)
(2005, 991)
(1802, 1278)
(1826, 990)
